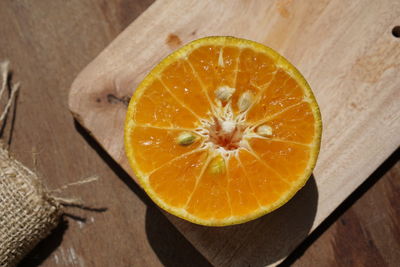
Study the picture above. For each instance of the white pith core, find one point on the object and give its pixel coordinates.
(226, 132)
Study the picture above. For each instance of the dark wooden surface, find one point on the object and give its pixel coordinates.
(48, 42)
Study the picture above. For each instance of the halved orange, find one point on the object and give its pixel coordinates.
(222, 131)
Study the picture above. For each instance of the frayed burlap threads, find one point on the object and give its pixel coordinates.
(4, 84)
(27, 212)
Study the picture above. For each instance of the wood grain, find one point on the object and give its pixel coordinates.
(48, 43)
(345, 50)
(363, 231)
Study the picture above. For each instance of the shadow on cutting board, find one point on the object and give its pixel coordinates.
(344, 207)
(260, 242)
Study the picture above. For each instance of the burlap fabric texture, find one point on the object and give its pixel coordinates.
(27, 212)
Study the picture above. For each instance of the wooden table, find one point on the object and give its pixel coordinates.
(48, 42)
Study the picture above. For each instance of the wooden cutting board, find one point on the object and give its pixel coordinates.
(345, 49)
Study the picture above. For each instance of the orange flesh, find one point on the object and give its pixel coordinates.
(252, 178)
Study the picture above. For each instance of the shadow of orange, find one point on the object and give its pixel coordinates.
(264, 241)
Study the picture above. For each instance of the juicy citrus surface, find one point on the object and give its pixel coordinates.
(222, 131)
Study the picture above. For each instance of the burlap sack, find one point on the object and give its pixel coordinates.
(27, 212)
